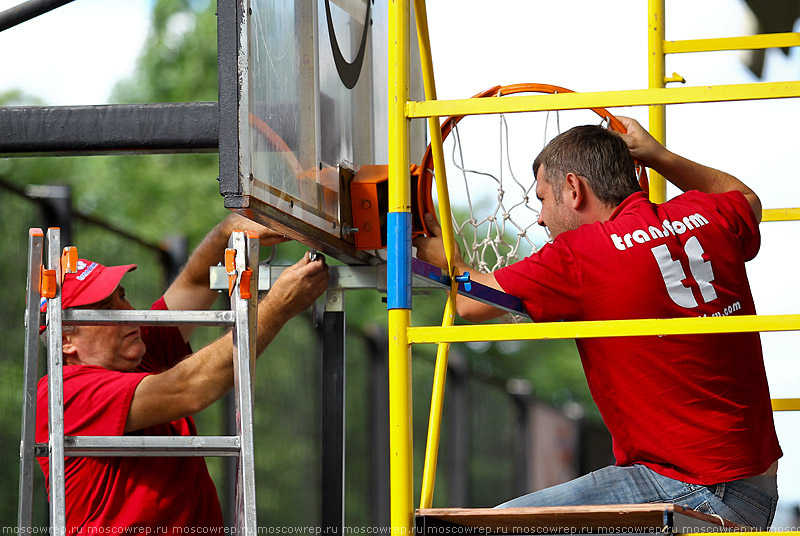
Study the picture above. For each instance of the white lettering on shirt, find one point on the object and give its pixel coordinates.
(675, 227)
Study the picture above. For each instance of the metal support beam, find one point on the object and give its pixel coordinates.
(56, 206)
(604, 99)
(333, 414)
(379, 429)
(120, 128)
(227, 67)
(604, 328)
(459, 430)
(27, 11)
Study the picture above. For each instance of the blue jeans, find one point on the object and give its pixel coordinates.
(739, 501)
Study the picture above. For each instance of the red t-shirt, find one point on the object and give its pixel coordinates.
(691, 407)
(113, 493)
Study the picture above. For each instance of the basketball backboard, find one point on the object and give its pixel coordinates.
(312, 109)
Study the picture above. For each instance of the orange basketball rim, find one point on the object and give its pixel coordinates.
(424, 191)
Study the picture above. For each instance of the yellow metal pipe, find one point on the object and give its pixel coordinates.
(448, 238)
(437, 404)
(429, 81)
(399, 181)
(607, 99)
(750, 42)
(656, 81)
(603, 328)
(780, 214)
(786, 404)
(401, 465)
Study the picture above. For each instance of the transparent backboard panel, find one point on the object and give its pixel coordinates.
(317, 103)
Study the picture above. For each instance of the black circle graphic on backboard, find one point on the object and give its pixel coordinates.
(348, 71)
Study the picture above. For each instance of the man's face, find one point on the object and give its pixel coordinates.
(111, 347)
(555, 215)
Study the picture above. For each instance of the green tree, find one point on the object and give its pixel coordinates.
(177, 194)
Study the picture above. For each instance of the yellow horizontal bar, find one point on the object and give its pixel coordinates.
(604, 99)
(786, 404)
(603, 328)
(750, 42)
(780, 214)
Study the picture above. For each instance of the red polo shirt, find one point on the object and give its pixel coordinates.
(691, 407)
(117, 492)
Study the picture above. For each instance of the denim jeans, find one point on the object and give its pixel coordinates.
(739, 501)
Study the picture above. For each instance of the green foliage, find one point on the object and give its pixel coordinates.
(179, 63)
(153, 197)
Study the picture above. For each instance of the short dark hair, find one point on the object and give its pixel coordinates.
(595, 153)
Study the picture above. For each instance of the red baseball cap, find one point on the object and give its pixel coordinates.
(92, 283)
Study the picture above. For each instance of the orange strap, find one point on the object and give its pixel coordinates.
(47, 283)
(69, 261)
(244, 284)
(230, 268)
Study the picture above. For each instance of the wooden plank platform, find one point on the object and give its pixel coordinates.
(600, 519)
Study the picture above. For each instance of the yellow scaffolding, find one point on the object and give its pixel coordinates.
(402, 335)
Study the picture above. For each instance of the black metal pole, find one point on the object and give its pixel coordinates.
(521, 393)
(228, 109)
(176, 253)
(333, 376)
(380, 500)
(179, 127)
(56, 205)
(458, 372)
(27, 11)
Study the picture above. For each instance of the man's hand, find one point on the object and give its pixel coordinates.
(205, 376)
(683, 173)
(295, 290)
(267, 237)
(431, 249)
(644, 147)
(190, 290)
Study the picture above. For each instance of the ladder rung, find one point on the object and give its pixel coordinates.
(141, 317)
(146, 446)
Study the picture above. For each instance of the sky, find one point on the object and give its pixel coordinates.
(602, 46)
(75, 55)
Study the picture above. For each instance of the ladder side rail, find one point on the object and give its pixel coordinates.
(244, 356)
(30, 375)
(55, 389)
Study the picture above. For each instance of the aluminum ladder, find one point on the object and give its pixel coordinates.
(242, 270)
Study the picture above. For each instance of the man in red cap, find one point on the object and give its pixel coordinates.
(126, 380)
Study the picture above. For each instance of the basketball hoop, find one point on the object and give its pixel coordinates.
(501, 235)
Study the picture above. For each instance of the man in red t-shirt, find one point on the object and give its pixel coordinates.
(126, 380)
(690, 415)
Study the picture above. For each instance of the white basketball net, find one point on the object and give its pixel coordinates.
(503, 228)
(493, 201)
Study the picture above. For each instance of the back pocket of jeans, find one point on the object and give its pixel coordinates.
(705, 508)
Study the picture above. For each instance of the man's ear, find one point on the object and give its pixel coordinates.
(68, 348)
(574, 191)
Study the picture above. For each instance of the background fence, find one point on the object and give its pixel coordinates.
(490, 435)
